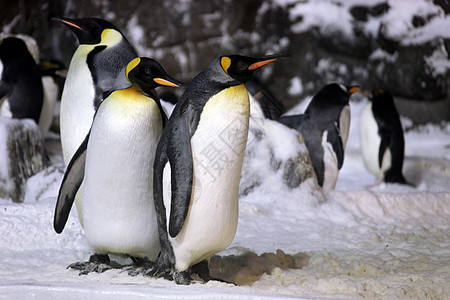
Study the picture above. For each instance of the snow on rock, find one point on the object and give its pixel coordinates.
(22, 154)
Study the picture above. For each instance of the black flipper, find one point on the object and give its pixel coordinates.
(182, 172)
(334, 138)
(69, 187)
(385, 140)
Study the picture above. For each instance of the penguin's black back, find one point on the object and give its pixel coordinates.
(20, 80)
(390, 130)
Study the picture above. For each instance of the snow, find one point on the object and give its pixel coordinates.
(390, 241)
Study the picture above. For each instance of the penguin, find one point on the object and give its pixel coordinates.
(96, 67)
(325, 126)
(115, 164)
(21, 92)
(50, 71)
(204, 142)
(382, 140)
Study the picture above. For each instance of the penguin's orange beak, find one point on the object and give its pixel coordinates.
(70, 24)
(353, 89)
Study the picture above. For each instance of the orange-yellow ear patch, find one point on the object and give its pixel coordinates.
(131, 65)
(225, 62)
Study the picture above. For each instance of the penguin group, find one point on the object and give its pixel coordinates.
(143, 184)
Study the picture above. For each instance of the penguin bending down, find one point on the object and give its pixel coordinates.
(382, 141)
(21, 92)
(204, 142)
(325, 126)
(115, 165)
(96, 66)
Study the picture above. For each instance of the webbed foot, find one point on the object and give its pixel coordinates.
(98, 263)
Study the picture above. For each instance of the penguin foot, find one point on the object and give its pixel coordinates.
(89, 267)
(98, 263)
(140, 266)
(183, 278)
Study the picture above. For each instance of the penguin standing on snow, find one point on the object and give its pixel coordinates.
(96, 66)
(381, 136)
(204, 142)
(325, 126)
(115, 165)
(21, 92)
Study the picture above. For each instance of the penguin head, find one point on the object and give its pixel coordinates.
(381, 97)
(336, 93)
(12, 47)
(241, 68)
(146, 74)
(92, 31)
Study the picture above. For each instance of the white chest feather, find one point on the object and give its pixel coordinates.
(370, 144)
(118, 209)
(77, 107)
(218, 148)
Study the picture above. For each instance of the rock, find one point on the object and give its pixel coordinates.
(22, 154)
(275, 151)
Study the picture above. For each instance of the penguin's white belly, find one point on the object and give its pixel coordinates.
(218, 148)
(370, 144)
(77, 107)
(330, 164)
(118, 208)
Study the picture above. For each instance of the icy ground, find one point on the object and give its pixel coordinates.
(385, 242)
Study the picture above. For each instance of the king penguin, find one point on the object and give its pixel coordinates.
(325, 126)
(204, 142)
(21, 92)
(97, 67)
(115, 164)
(381, 136)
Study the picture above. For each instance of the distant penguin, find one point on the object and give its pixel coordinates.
(97, 64)
(325, 126)
(50, 71)
(21, 92)
(381, 136)
(115, 165)
(204, 142)
(266, 102)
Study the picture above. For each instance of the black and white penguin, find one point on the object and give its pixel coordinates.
(325, 126)
(97, 64)
(21, 92)
(204, 142)
(115, 165)
(381, 136)
(50, 72)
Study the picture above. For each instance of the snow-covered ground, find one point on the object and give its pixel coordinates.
(386, 242)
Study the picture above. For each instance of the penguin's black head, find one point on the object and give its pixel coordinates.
(147, 74)
(241, 68)
(12, 47)
(88, 30)
(336, 93)
(382, 97)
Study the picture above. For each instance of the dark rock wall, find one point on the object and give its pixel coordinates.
(185, 36)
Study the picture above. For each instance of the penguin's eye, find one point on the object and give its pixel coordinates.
(148, 73)
(241, 66)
